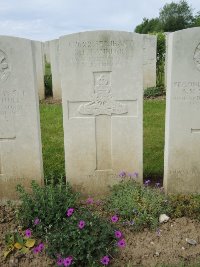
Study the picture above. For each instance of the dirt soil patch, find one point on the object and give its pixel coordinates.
(147, 248)
(51, 101)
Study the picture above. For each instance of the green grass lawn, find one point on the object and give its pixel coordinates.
(154, 127)
(52, 139)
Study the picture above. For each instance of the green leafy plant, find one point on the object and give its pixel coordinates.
(72, 233)
(45, 207)
(48, 85)
(185, 205)
(138, 205)
(16, 241)
(84, 236)
(153, 92)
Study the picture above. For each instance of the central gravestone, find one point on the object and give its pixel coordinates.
(102, 91)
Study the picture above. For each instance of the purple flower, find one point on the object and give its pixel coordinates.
(90, 200)
(147, 182)
(121, 243)
(81, 224)
(28, 233)
(36, 221)
(98, 202)
(157, 184)
(158, 232)
(69, 212)
(122, 174)
(36, 250)
(118, 234)
(131, 222)
(41, 246)
(67, 261)
(135, 175)
(60, 261)
(105, 260)
(114, 218)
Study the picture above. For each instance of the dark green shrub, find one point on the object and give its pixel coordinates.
(138, 206)
(88, 245)
(160, 65)
(48, 85)
(185, 205)
(69, 231)
(153, 92)
(48, 204)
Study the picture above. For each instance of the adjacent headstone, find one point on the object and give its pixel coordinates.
(150, 48)
(166, 56)
(54, 58)
(102, 96)
(182, 136)
(46, 51)
(39, 63)
(20, 141)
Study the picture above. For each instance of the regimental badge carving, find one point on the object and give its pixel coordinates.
(4, 66)
(102, 102)
(197, 57)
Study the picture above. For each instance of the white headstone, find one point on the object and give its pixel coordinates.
(54, 58)
(182, 136)
(46, 51)
(20, 140)
(150, 48)
(39, 63)
(102, 95)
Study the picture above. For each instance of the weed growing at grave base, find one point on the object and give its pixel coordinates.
(185, 205)
(72, 234)
(139, 206)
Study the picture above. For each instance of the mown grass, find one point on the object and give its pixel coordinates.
(52, 139)
(154, 127)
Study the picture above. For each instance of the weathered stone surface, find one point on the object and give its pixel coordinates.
(20, 142)
(46, 51)
(182, 131)
(150, 47)
(54, 58)
(102, 95)
(39, 63)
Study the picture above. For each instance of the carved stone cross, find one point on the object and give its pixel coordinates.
(104, 107)
(7, 134)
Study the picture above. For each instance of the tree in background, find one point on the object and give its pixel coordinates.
(176, 16)
(148, 26)
(172, 17)
(196, 20)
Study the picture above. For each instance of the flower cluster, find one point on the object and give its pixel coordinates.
(133, 175)
(105, 260)
(69, 212)
(64, 261)
(39, 248)
(28, 233)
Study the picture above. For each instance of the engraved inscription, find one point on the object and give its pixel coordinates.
(187, 91)
(197, 56)
(102, 102)
(101, 53)
(4, 66)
